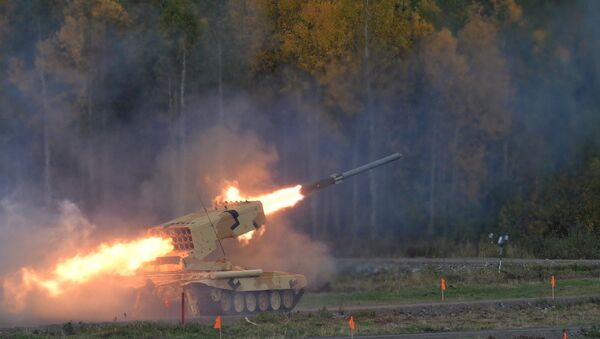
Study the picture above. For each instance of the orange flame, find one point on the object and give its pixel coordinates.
(272, 202)
(121, 259)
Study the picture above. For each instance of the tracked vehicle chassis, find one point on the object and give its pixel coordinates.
(206, 300)
(220, 292)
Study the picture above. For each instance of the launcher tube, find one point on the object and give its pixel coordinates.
(371, 165)
(337, 178)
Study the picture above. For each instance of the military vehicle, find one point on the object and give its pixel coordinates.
(217, 286)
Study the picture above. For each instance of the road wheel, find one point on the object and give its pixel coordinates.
(250, 301)
(238, 302)
(263, 301)
(225, 302)
(275, 300)
(215, 295)
(287, 299)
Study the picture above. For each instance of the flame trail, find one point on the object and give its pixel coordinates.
(272, 202)
(121, 259)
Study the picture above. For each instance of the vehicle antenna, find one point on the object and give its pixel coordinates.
(211, 223)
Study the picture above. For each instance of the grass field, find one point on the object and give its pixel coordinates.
(326, 323)
(454, 292)
(329, 317)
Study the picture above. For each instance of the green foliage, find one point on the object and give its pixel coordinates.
(559, 219)
(367, 323)
(179, 20)
(493, 105)
(592, 332)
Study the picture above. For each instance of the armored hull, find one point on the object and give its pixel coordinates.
(222, 292)
(213, 287)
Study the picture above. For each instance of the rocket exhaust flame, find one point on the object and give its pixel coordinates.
(272, 202)
(290, 196)
(119, 259)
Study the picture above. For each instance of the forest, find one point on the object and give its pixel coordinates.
(145, 108)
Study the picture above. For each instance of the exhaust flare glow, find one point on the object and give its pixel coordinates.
(119, 259)
(272, 202)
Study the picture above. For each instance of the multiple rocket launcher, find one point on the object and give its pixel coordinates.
(217, 285)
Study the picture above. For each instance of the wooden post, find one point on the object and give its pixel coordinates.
(182, 308)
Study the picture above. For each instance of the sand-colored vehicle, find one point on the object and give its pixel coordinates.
(217, 286)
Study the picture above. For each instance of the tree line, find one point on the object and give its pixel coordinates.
(126, 105)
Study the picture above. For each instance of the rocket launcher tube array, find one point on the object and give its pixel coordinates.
(338, 178)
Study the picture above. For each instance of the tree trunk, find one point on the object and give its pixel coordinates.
(101, 64)
(443, 196)
(47, 150)
(505, 159)
(454, 174)
(220, 66)
(432, 187)
(325, 208)
(337, 219)
(173, 141)
(371, 121)
(314, 153)
(354, 215)
(90, 149)
(182, 136)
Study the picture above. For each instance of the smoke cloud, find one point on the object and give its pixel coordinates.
(35, 238)
(282, 247)
(221, 155)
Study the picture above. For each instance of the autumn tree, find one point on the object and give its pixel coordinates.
(181, 25)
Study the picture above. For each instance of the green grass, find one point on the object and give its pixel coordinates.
(464, 283)
(454, 292)
(395, 280)
(326, 323)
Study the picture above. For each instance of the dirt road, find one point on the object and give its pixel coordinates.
(533, 332)
(454, 306)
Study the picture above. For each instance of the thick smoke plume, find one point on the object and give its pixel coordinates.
(35, 238)
(281, 247)
(220, 155)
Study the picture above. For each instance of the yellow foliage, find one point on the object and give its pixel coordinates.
(539, 36)
(256, 22)
(71, 39)
(109, 10)
(509, 10)
(326, 39)
(320, 35)
(563, 54)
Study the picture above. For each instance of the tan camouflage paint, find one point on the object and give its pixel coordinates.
(187, 266)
